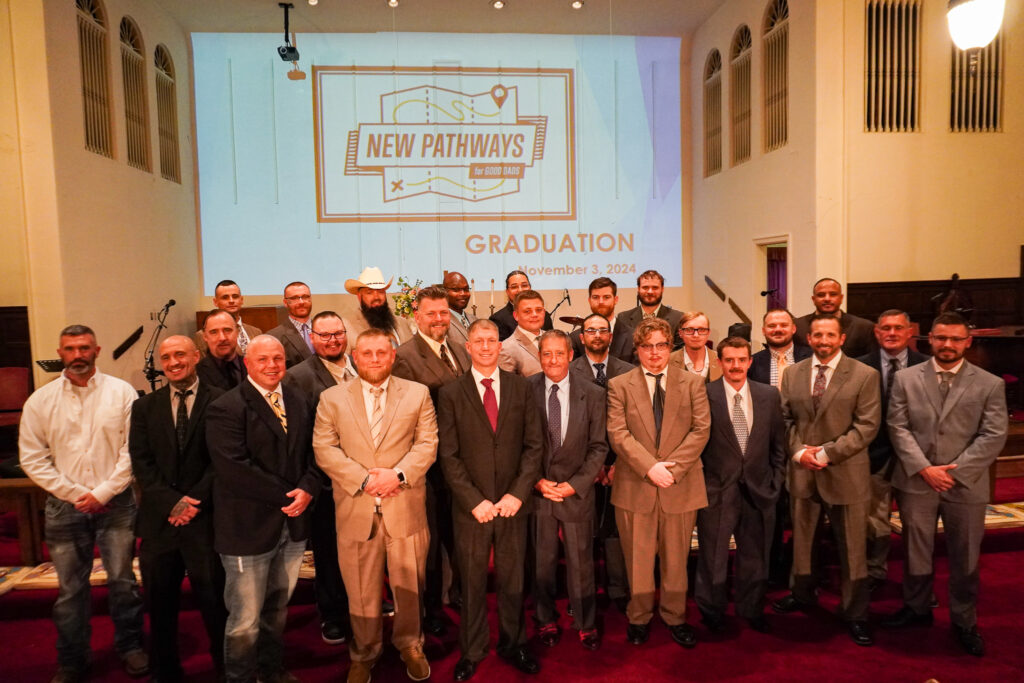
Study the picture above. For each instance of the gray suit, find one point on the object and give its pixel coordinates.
(968, 429)
(295, 349)
(457, 332)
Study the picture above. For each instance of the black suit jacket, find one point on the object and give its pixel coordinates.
(763, 466)
(580, 456)
(633, 316)
(214, 374)
(295, 349)
(615, 367)
(621, 345)
(416, 361)
(311, 377)
(860, 333)
(761, 363)
(257, 463)
(480, 463)
(507, 324)
(880, 450)
(163, 475)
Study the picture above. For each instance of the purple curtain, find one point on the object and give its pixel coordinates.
(777, 277)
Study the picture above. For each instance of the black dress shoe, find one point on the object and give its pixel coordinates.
(549, 635)
(760, 624)
(590, 639)
(874, 583)
(970, 640)
(907, 617)
(523, 660)
(790, 604)
(860, 633)
(333, 633)
(637, 634)
(464, 669)
(387, 608)
(714, 622)
(684, 635)
(434, 625)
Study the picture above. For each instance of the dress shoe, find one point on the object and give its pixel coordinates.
(464, 669)
(760, 624)
(874, 583)
(333, 633)
(549, 635)
(970, 640)
(569, 610)
(387, 608)
(522, 659)
(416, 665)
(68, 674)
(434, 625)
(907, 617)
(637, 634)
(684, 635)
(790, 604)
(590, 639)
(359, 672)
(136, 663)
(860, 633)
(714, 622)
(621, 603)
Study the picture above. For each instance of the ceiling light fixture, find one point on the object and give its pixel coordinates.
(498, 4)
(313, 3)
(576, 4)
(392, 3)
(974, 23)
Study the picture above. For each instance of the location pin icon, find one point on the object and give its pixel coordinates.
(499, 94)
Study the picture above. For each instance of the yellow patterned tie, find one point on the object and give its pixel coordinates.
(275, 403)
(377, 419)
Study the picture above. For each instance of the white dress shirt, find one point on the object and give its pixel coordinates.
(703, 372)
(496, 376)
(651, 383)
(563, 400)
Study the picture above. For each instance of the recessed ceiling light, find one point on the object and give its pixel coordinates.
(392, 3)
(576, 4)
(313, 3)
(498, 4)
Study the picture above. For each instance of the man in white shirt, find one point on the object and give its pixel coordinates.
(73, 443)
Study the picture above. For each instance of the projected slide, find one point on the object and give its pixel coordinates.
(420, 153)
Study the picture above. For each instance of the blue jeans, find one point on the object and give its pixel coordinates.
(71, 536)
(256, 593)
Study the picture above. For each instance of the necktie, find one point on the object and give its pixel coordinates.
(894, 365)
(554, 418)
(448, 360)
(658, 405)
(377, 419)
(601, 378)
(490, 403)
(819, 386)
(275, 403)
(945, 383)
(780, 367)
(181, 421)
(305, 336)
(739, 422)
(243, 338)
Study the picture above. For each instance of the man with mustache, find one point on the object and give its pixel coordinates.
(228, 297)
(374, 311)
(222, 366)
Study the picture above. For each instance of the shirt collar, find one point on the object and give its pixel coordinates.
(832, 364)
(261, 390)
(787, 353)
(955, 369)
(367, 387)
(434, 345)
(901, 357)
(194, 388)
(91, 384)
(480, 377)
(527, 334)
(730, 392)
(563, 386)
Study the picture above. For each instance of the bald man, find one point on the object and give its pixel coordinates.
(459, 295)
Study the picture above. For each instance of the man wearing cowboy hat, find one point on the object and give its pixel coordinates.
(372, 291)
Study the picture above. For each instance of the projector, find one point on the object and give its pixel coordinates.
(288, 53)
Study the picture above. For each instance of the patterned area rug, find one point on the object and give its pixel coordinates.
(1004, 516)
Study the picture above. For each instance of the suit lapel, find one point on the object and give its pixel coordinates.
(198, 407)
(167, 417)
(719, 405)
(357, 407)
(637, 389)
(260, 406)
(503, 401)
(431, 361)
(576, 407)
(525, 342)
(473, 398)
(930, 385)
(961, 381)
(839, 377)
(394, 396)
(323, 374)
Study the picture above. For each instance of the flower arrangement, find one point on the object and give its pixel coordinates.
(405, 299)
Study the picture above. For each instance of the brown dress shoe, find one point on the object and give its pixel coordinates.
(136, 663)
(416, 665)
(359, 672)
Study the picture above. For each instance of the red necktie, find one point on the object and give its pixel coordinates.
(490, 403)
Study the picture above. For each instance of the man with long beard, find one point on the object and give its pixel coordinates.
(372, 292)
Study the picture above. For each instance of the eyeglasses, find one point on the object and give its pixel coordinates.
(301, 297)
(695, 331)
(955, 340)
(595, 331)
(327, 336)
(660, 346)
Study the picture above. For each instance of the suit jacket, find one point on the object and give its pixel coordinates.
(215, 374)
(613, 368)
(860, 333)
(633, 316)
(714, 369)
(163, 475)
(685, 427)
(519, 355)
(621, 345)
(356, 324)
(257, 463)
(846, 422)
(457, 332)
(880, 450)
(311, 377)
(582, 452)
(480, 463)
(507, 324)
(345, 452)
(762, 467)
(416, 361)
(968, 429)
(295, 349)
(761, 363)
(197, 337)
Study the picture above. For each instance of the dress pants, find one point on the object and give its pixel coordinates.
(329, 589)
(163, 568)
(879, 527)
(668, 536)
(508, 537)
(735, 514)
(442, 540)
(362, 567)
(616, 584)
(849, 526)
(964, 525)
(579, 569)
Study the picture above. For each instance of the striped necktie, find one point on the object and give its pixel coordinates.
(275, 403)
(377, 419)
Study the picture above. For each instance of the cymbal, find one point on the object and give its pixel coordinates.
(573, 320)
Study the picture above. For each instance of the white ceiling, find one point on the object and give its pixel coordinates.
(622, 17)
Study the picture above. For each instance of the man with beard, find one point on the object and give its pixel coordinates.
(228, 297)
(832, 407)
(372, 292)
(603, 297)
(650, 288)
(520, 353)
(457, 287)
(294, 334)
(73, 443)
(515, 282)
(432, 360)
(329, 366)
(827, 297)
(597, 365)
(221, 367)
(376, 438)
(947, 422)
(767, 365)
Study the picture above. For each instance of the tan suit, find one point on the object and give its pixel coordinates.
(652, 520)
(714, 369)
(355, 324)
(844, 425)
(519, 355)
(345, 451)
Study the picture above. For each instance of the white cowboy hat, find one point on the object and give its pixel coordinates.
(370, 277)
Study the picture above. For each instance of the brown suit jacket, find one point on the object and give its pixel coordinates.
(345, 452)
(417, 362)
(519, 355)
(844, 424)
(714, 369)
(685, 428)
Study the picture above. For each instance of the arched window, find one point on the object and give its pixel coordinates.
(776, 74)
(136, 110)
(92, 52)
(739, 94)
(713, 114)
(167, 114)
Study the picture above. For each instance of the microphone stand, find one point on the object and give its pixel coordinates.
(565, 297)
(150, 370)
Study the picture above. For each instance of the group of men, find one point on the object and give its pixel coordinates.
(408, 457)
